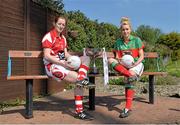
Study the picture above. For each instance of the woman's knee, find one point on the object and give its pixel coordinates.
(132, 73)
(110, 60)
(71, 76)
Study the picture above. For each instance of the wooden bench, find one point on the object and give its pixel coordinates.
(151, 76)
(39, 54)
(29, 78)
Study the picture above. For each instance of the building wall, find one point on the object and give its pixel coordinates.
(23, 23)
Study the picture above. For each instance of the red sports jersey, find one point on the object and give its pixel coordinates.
(56, 43)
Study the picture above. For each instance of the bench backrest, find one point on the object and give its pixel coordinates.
(21, 54)
(146, 55)
(25, 54)
(39, 54)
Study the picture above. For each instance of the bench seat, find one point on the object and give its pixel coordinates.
(17, 77)
(155, 73)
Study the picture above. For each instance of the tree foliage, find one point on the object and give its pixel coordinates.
(56, 5)
(148, 34)
(98, 35)
(90, 33)
(172, 41)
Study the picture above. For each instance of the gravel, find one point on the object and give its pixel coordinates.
(140, 88)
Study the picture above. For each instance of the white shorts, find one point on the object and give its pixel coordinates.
(55, 71)
(138, 69)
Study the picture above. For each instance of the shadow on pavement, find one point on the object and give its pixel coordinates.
(66, 106)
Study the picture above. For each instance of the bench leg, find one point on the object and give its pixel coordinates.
(151, 89)
(29, 98)
(92, 94)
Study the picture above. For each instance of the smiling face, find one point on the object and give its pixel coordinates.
(60, 24)
(125, 31)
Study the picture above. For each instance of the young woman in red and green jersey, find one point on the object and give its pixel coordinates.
(128, 44)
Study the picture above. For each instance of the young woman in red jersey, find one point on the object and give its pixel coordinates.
(55, 54)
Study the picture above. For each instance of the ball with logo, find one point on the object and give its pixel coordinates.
(127, 61)
(74, 61)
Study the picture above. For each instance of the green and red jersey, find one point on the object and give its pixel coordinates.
(133, 46)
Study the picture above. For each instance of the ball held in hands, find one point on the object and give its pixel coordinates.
(74, 62)
(127, 61)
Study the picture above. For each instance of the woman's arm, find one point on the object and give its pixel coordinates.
(51, 58)
(141, 57)
(66, 53)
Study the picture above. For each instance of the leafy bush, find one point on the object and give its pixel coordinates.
(144, 79)
(70, 86)
(116, 81)
(173, 68)
(10, 103)
(160, 80)
(169, 80)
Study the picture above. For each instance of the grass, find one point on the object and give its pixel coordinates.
(70, 86)
(11, 103)
(160, 80)
(16, 102)
(173, 68)
(116, 81)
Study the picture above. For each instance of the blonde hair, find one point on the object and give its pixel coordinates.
(125, 21)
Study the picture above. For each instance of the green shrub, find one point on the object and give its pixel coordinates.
(70, 86)
(159, 80)
(10, 103)
(144, 79)
(116, 81)
(167, 80)
(173, 68)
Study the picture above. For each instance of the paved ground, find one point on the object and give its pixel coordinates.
(59, 109)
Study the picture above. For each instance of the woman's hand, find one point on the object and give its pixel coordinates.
(66, 64)
(119, 61)
(133, 65)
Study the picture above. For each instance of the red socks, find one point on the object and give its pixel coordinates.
(79, 103)
(82, 73)
(129, 93)
(121, 69)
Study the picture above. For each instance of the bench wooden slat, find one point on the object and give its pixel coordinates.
(17, 77)
(25, 54)
(155, 73)
(117, 74)
(146, 55)
(36, 54)
(32, 54)
(151, 55)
